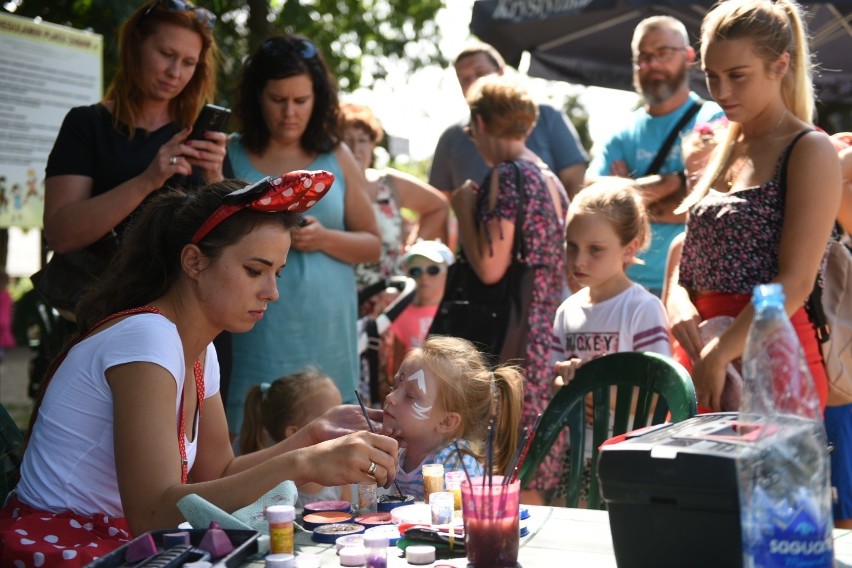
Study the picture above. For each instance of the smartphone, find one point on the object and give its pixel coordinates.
(211, 118)
(648, 180)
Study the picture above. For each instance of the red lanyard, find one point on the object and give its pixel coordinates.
(199, 388)
(197, 370)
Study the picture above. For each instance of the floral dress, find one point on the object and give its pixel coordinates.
(542, 234)
(389, 218)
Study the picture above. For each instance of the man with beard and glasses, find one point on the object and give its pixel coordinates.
(662, 57)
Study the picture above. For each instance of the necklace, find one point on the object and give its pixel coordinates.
(732, 174)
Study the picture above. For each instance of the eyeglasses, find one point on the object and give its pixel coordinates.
(294, 192)
(204, 15)
(417, 271)
(662, 55)
(304, 47)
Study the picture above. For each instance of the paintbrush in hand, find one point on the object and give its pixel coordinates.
(373, 430)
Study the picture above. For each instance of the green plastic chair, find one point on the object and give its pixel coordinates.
(660, 385)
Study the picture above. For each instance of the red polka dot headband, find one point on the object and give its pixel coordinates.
(295, 192)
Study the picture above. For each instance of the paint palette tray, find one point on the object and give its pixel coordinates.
(244, 542)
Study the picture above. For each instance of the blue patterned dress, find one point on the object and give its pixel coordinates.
(313, 323)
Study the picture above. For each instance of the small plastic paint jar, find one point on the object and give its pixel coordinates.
(280, 519)
(441, 504)
(420, 555)
(433, 479)
(452, 483)
(367, 497)
(353, 556)
(377, 550)
(279, 560)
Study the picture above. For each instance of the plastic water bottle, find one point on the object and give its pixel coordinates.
(781, 381)
(784, 485)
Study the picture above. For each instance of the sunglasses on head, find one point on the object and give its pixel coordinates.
(295, 192)
(304, 47)
(204, 15)
(417, 271)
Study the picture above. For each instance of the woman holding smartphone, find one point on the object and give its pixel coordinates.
(110, 156)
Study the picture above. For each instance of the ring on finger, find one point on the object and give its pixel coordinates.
(173, 160)
(372, 469)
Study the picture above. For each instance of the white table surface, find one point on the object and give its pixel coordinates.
(558, 536)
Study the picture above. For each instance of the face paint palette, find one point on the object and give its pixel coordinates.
(391, 501)
(329, 534)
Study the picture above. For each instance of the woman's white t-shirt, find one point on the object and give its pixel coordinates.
(69, 464)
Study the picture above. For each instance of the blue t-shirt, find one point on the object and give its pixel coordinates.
(553, 139)
(637, 145)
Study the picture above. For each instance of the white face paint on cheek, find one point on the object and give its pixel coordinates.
(420, 412)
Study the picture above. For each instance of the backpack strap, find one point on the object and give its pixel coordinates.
(663, 152)
(813, 305)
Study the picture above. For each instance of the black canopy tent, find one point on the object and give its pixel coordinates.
(587, 42)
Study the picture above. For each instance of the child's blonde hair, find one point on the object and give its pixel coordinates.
(478, 394)
(619, 201)
(271, 407)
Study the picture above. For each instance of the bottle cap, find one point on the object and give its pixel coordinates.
(353, 556)
(278, 560)
(280, 513)
(376, 540)
(420, 555)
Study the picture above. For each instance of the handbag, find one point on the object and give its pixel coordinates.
(494, 317)
(68, 276)
(830, 306)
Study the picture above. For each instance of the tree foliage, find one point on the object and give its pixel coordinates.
(359, 38)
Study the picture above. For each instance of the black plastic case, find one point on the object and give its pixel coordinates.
(245, 545)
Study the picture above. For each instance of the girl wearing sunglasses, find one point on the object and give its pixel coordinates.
(132, 419)
(426, 262)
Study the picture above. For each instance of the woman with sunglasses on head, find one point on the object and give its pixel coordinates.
(287, 111)
(502, 114)
(110, 156)
(131, 420)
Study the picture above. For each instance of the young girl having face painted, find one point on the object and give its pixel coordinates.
(444, 394)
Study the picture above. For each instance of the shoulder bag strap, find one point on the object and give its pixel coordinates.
(813, 305)
(519, 249)
(670, 140)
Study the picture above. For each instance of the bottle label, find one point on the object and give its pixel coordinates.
(281, 538)
(794, 539)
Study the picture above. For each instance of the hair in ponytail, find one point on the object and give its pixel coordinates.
(776, 28)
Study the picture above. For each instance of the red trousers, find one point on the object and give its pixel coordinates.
(713, 304)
